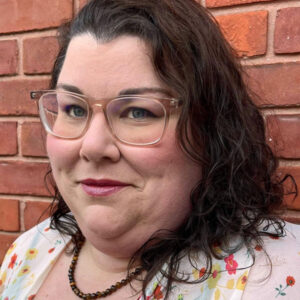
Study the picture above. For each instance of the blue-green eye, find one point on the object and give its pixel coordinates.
(137, 113)
(75, 111)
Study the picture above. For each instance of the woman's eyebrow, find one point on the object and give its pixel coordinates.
(130, 91)
(70, 88)
(144, 90)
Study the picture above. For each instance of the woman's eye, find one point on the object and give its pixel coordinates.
(137, 113)
(75, 111)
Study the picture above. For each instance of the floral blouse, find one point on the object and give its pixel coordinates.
(31, 257)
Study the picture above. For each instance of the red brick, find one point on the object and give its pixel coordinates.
(33, 139)
(283, 135)
(23, 178)
(5, 241)
(8, 138)
(287, 30)
(15, 96)
(292, 216)
(82, 3)
(275, 84)
(246, 32)
(40, 54)
(221, 3)
(35, 212)
(20, 15)
(290, 200)
(9, 212)
(8, 57)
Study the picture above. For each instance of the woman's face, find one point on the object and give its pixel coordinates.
(157, 179)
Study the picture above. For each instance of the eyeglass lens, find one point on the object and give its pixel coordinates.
(135, 120)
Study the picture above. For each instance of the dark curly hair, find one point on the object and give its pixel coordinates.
(219, 128)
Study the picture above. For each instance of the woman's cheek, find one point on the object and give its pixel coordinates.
(60, 152)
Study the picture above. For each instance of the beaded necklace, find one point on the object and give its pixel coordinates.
(98, 294)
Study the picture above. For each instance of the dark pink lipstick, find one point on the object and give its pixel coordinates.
(103, 187)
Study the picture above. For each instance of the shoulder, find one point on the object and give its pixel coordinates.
(276, 270)
(226, 280)
(30, 255)
(36, 237)
(27, 238)
(280, 251)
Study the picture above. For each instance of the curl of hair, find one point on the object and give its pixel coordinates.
(219, 128)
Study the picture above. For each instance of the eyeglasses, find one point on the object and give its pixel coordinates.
(132, 119)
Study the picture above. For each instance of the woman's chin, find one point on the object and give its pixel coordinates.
(104, 222)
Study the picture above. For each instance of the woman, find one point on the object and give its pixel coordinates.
(164, 184)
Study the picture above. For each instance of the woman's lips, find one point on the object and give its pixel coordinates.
(100, 188)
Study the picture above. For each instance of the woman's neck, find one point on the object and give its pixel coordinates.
(102, 261)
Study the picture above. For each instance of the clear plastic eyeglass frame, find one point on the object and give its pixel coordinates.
(136, 134)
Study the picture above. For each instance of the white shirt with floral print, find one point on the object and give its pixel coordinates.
(31, 257)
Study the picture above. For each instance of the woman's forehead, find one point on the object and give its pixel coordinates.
(110, 67)
(90, 49)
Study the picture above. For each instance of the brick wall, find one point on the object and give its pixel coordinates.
(265, 33)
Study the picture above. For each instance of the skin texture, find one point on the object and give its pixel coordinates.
(160, 176)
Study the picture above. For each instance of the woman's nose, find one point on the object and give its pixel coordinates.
(98, 143)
